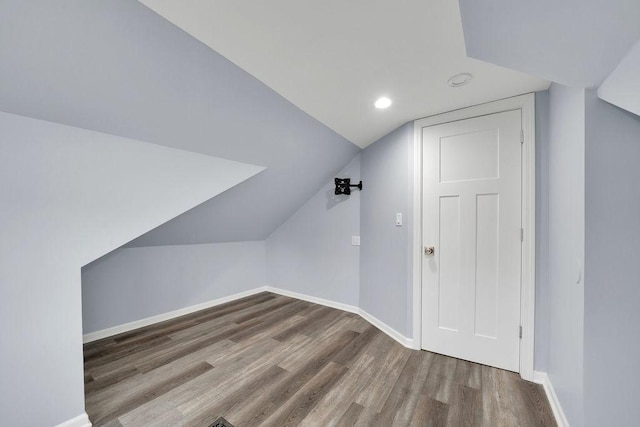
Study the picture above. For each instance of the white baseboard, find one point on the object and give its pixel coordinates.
(543, 379)
(104, 333)
(315, 300)
(404, 341)
(79, 421)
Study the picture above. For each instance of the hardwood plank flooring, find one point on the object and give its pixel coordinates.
(269, 360)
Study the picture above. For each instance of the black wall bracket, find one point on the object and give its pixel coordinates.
(343, 186)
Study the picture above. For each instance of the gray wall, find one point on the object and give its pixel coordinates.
(311, 252)
(68, 196)
(307, 253)
(385, 262)
(542, 232)
(385, 286)
(566, 247)
(119, 68)
(612, 293)
(135, 283)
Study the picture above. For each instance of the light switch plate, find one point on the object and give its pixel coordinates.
(355, 240)
(399, 219)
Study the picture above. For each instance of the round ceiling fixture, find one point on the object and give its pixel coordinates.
(382, 103)
(460, 79)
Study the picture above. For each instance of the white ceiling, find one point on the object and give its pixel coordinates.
(334, 58)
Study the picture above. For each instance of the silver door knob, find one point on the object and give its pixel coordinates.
(429, 250)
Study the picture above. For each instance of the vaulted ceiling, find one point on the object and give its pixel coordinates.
(289, 84)
(572, 42)
(333, 58)
(580, 43)
(119, 68)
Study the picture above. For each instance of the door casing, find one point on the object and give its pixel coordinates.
(525, 103)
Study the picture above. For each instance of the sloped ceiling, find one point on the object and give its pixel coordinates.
(334, 58)
(622, 86)
(86, 193)
(119, 68)
(573, 42)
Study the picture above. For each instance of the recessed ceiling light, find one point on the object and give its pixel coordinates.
(460, 79)
(382, 102)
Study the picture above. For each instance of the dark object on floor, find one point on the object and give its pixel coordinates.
(221, 422)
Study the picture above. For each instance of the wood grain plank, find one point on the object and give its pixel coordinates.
(133, 384)
(535, 404)
(227, 376)
(409, 394)
(350, 416)
(330, 409)
(111, 368)
(288, 388)
(465, 408)
(296, 361)
(401, 389)
(267, 310)
(100, 415)
(110, 380)
(183, 322)
(318, 316)
(272, 321)
(349, 353)
(293, 410)
(389, 369)
(232, 400)
(117, 352)
(498, 394)
(431, 413)
(274, 360)
(475, 376)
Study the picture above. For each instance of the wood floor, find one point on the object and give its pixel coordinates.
(277, 361)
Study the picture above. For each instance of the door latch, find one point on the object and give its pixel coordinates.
(429, 250)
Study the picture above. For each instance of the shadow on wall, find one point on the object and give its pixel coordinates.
(335, 199)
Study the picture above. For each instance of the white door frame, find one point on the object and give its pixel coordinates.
(525, 103)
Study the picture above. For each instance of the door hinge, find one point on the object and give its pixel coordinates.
(522, 234)
(520, 331)
(521, 136)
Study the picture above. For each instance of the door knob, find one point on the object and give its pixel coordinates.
(429, 250)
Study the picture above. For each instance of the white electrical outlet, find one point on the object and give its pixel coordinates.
(355, 240)
(399, 219)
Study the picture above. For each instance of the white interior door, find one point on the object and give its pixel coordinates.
(472, 219)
